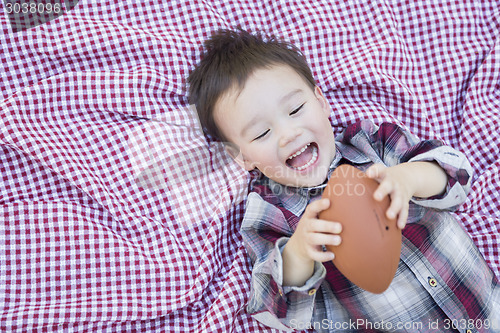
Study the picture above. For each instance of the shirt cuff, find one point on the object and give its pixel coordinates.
(459, 172)
(310, 286)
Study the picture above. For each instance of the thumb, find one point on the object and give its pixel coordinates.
(376, 171)
(315, 207)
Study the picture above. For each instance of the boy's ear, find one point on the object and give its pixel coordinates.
(235, 153)
(322, 100)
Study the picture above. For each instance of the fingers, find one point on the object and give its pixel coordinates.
(311, 246)
(316, 225)
(396, 205)
(322, 233)
(316, 207)
(403, 217)
(398, 208)
(314, 233)
(390, 186)
(323, 251)
(323, 226)
(320, 256)
(399, 201)
(379, 173)
(385, 188)
(376, 171)
(319, 239)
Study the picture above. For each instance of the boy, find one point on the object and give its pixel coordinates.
(260, 98)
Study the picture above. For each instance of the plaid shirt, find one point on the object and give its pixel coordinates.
(442, 283)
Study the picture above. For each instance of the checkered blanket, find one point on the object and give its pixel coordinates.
(116, 214)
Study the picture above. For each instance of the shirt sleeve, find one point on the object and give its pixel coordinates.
(459, 172)
(265, 232)
(391, 144)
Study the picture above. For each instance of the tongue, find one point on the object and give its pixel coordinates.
(302, 159)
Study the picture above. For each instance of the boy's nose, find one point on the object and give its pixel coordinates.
(289, 136)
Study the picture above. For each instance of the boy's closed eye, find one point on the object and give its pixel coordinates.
(297, 109)
(260, 136)
(263, 134)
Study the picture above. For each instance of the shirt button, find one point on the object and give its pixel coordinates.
(432, 282)
(469, 331)
(312, 292)
(281, 292)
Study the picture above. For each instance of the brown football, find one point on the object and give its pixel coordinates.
(371, 243)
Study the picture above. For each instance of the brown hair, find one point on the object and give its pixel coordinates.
(230, 57)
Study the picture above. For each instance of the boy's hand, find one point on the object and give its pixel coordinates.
(404, 181)
(312, 233)
(306, 244)
(397, 183)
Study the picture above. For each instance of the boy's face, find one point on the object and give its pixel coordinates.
(280, 126)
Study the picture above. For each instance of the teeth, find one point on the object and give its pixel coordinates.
(313, 159)
(299, 152)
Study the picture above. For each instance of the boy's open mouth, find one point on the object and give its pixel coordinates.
(304, 157)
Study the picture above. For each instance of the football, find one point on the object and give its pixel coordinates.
(371, 243)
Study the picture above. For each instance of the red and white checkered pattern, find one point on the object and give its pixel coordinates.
(86, 245)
